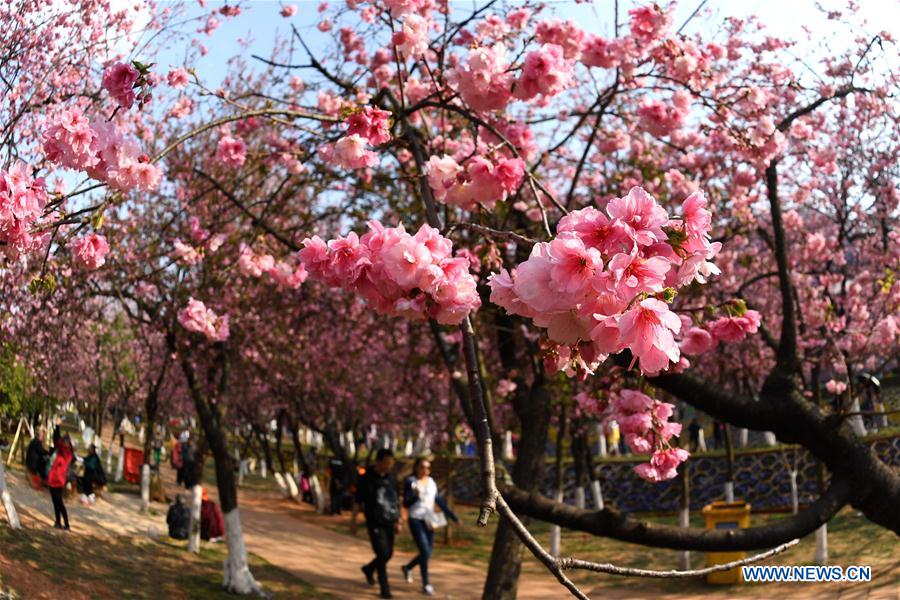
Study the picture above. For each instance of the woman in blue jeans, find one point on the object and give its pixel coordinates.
(420, 494)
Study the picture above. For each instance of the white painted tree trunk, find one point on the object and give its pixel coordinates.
(601, 439)
(579, 497)
(743, 437)
(821, 556)
(684, 520)
(729, 491)
(237, 576)
(141, 435)
(293, 492)
(556, 531)
(856, 421)
(508, 446)
(99, 444)
(109, 455)
(282, 485)
(597, 492)
(408, 448)
(80, 424)
(145, 487)
(770, 439)
(120, 465)
(318, 496)
(263, 469)
(194, 535)
(701, 441)
(795, 500)
(240, 466)
(11, 515)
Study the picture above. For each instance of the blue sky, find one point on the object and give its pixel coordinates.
(260, 21)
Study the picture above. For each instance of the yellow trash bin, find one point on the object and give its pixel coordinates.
(726, 515)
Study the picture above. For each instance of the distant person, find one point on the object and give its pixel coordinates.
(175, 461)
(36, 459)
(212, 527)
(179, 519)
(377, 496)
(420, 494)
(336, 483)
(188, 458)
(93, 476)
(719, 434)
(56, 478)
(694, 432)
(613, 436)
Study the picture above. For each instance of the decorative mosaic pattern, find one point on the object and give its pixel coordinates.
(761, 477)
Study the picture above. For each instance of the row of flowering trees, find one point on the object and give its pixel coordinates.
(443, 203)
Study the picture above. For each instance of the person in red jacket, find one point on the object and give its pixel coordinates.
(56, 479)
(212, 527)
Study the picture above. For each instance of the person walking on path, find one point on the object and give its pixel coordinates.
(93, 476)
(56, 479)
(420, 494)
(188, 456)
(377, 495)
(36, 459)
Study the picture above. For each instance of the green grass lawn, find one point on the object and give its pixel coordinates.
(77, 566)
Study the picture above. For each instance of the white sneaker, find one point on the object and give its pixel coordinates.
(84, 499)
(428, 590)
(407, 574)
(93, 499)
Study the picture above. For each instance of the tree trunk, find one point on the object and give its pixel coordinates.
(684, 515)
(561, 432)
(729, 464)
(194, 535)
(11, 514)
(533, 411)
(120, 465)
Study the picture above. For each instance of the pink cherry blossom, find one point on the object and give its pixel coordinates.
(119, 80)
(546, 71)
(178, 78)
(370, 123)
(735, 329)
(288, 10)
(648, 331)
(350, 152)
(231, 151)
(198, 318)
(89, 252)
(697, 341)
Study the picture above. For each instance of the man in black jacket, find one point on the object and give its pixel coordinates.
(36, 455)
(377, 493)
(179, 519)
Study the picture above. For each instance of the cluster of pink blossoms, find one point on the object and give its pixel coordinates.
(732, 328)
(415, 276)
(90, 251)
(22, 200)
(661, 118)
(198, 318)
(121, 80)
(100, 150)
(231, 151)
(546, 71)
(483, 80)
(644, 423)
(285, 275)
(602, 285)
(369, 126)
(482, 182)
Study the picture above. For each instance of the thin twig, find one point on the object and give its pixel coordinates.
(575, 563)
